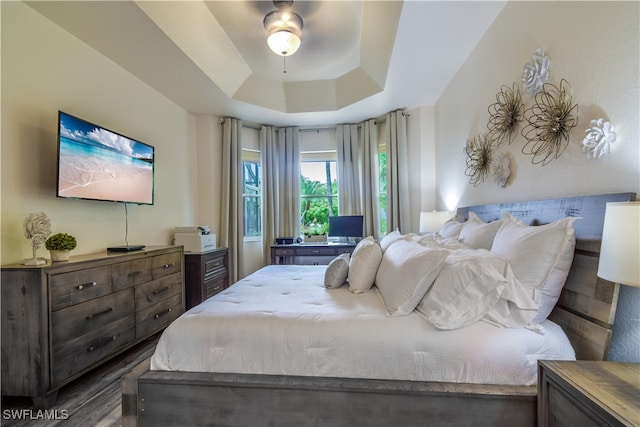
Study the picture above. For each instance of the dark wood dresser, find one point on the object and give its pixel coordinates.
(588, 393)
(61, 319)
(206, 274)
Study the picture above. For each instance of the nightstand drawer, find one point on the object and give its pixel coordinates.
(213, 287)
(214, 264)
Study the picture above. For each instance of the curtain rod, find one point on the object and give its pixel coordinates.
(258, 126)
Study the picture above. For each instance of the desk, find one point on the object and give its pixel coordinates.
(305, 253)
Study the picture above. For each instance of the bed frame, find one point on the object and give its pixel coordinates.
(586, 311)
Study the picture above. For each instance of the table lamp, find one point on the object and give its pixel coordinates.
(431, 222)
(620, 250)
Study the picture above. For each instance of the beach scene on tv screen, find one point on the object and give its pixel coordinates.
(99, 164)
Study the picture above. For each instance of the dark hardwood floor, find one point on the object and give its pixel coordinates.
(91, 400)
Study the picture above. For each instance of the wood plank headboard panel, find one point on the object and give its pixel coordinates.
(587, 306)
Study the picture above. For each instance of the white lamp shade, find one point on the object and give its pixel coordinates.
(431, 222)
(283, 42)
(620, 250)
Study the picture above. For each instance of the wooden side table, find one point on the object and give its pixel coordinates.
(205, 275)
(588, 393)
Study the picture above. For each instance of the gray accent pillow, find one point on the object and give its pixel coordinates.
(336, 273)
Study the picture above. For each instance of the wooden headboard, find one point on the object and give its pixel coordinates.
(587, 306)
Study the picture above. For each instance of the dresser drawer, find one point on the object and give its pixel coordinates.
(158, 316)
(167, 264)
(214, 286)
(153, 292)
(84, 318)
(74, 287)
(130, 273)
(71, 357)
(214, 264)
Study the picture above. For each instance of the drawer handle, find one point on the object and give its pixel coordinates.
(216, 288)
(157, 292)
(169, 265)
(157, 316)
(316, 251)
(100, 313)
(81, 287)
(102, 344)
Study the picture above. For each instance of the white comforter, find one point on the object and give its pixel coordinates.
(282, 320)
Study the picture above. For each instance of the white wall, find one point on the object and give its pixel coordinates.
(45, 69)
(595, 47)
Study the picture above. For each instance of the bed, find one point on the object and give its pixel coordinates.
(380, 360)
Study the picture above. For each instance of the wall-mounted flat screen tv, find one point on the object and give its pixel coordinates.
(98, 164)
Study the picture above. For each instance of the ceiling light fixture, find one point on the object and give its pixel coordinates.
(284, 29)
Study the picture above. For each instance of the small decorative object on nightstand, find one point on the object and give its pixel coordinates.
(588, 393)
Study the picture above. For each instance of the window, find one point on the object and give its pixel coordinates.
(382, 188)
(318, 195)
(252, 198)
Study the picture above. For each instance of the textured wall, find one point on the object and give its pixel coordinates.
(595, 47)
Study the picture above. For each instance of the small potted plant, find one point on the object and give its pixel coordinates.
(59, 245)
(315, 232)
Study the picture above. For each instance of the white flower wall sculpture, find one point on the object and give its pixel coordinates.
(536, 73)
(599, 138)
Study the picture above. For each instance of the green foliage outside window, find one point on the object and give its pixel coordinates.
(252, 198)
(318, 200)
(382, 194)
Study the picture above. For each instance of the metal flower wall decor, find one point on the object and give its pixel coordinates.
(550, 119)
(599, 138)
(479, 151)
(536, 73)
(505, 115)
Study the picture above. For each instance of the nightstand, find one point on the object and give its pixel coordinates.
(588, 393)
(205, 275)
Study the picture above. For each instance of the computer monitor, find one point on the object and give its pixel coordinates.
(346, 226)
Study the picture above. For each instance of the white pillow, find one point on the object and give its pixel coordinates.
(363, 265)
(478, 234)
(406, 273)
(451, 228)
(540, 257)
(470, 286)
(387, 240)
(337, 271)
